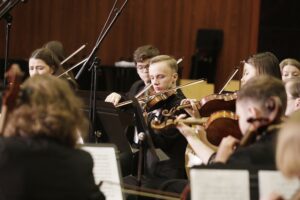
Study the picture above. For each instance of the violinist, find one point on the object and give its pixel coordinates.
(265, 63)
(263, 100)
(38, 157)
(44, 61)
(163, 75)
(260, 104)
(58, 49)
(141, 56)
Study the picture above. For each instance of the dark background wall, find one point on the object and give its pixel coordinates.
(280, 28)
(170, 25)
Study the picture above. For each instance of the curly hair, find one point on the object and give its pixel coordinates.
(48, 107)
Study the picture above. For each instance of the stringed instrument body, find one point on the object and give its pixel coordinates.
(219, 125)
(14, 77)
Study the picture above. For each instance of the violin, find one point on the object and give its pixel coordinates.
(14, 76)
(209, 104)
(256, 124)
(212, 103)
(150, 99)
(219, 125)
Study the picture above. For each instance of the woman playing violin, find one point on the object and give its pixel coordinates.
(44, 61)
(265, 63)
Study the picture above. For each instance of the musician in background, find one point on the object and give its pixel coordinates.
(292, 87)
(265, 63)
(44, 61)
(289, 68)
(58, 49)
(38, 157)
(141, 56)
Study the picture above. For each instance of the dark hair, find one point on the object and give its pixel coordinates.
(48, 57)
(261, 88)
(265, 63)
(145, 52)
(57, 48)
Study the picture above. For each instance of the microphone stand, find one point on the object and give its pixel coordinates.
(8, 19)
(93, 67)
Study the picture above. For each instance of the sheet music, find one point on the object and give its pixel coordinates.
(215, 184)
(274, 181)
(106, 170)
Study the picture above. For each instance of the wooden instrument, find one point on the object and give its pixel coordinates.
(14, 76)
(209, 104)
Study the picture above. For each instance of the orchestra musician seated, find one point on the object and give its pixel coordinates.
(289, 68)
(260, 104)
(163, 75)
(292, 87)
(141, 56)
(44, 61)
(38, 156)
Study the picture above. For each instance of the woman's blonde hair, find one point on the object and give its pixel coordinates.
(48, 108)
(288, 146)
(289, 61)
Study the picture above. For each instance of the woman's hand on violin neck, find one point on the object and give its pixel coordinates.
(226, 148)
(193, 111)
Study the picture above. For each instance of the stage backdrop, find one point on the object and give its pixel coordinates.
(170, 25)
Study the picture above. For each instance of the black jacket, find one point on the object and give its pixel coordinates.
(41, 168)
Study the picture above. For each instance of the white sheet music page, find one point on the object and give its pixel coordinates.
(215, 184)
(106, 170)
(273, 181)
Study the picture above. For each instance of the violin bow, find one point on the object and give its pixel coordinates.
(179, 87)
(73, 67)
(230, 78)
(73, 54)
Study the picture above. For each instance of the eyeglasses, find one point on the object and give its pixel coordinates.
(141, 67)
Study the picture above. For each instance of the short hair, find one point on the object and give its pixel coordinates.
(48, 107)
(293, 86)
(48, 57)
(57, 48)
(289, 61)
(265, 63)
(165, 58)
(145, 52)
(263, 87)
(288, 146)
